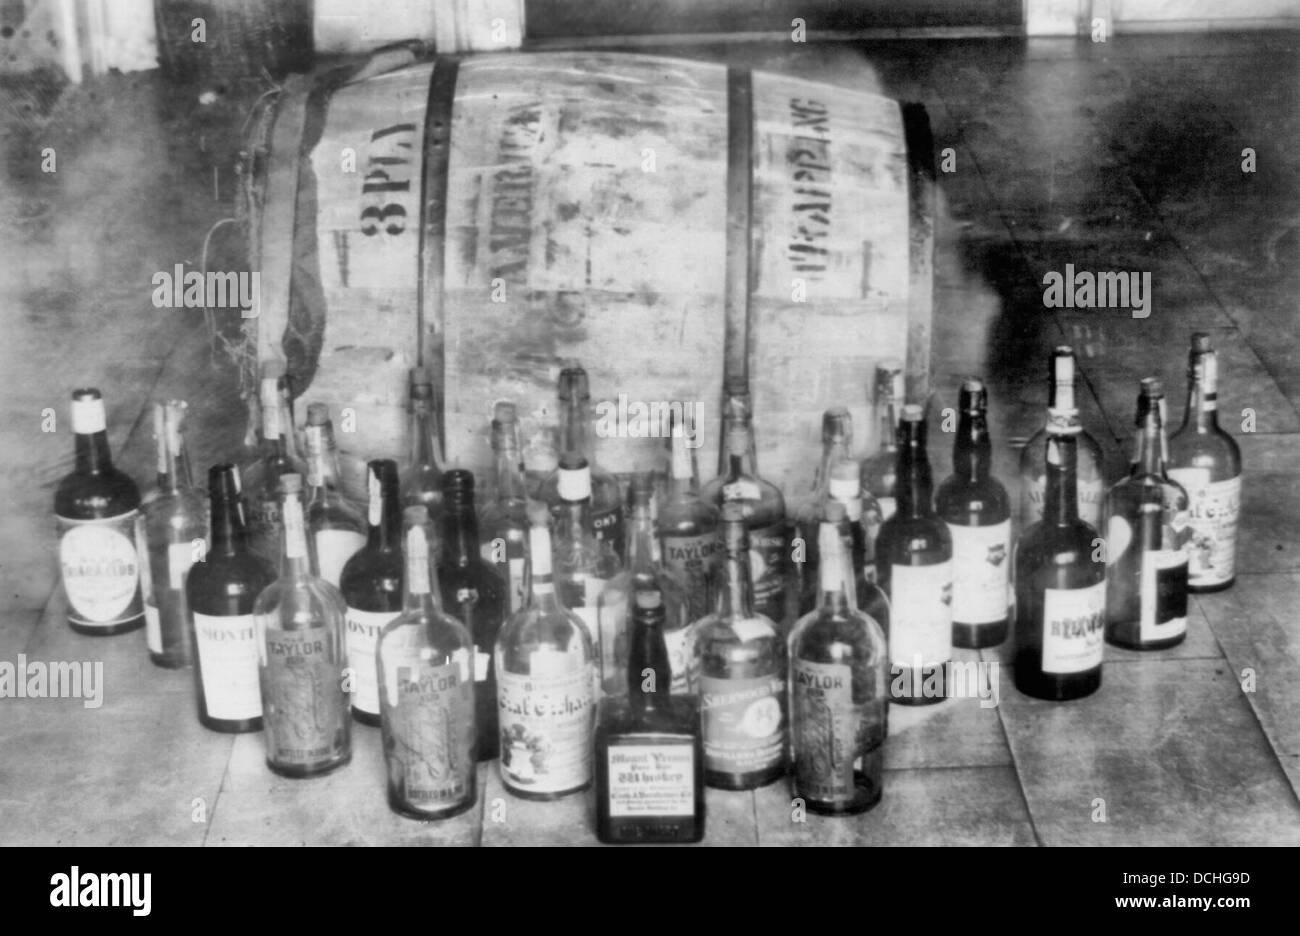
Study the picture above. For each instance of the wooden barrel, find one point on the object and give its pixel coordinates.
(665, 223)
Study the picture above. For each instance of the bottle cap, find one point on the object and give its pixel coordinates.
(574, 483)
(504, 411)
(912, 412)
(648, 599)
(845, 481)
(1063, 364)
(415, 515)
(1152, 388)
(1200, 342)
(458, 484)
(837, 425)
(420, 376)
(176, 412)
(223, 481)
(290, 483)
(974, 395)
(88, 411)
(573, 384)
(735, 385)
(318, 414)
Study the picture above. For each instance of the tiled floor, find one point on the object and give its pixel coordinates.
(1119, 156)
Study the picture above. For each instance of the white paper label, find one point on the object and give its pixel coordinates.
(180, 556)
(546, 727)
(981, 563)
(152, 628)
(1073, 628)
(888, 507)
(920, 624)
(680, 647)
(101, 568)
(227, 651)
(333, 550)
(482, 664)
(651, 780)
(1162, 574)
(363, 629)
(1214, 515)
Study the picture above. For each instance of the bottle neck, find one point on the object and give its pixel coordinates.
(460, 529)
(541, 585)
(648, 651)
(574, 519)
(384, 515)
(322, 458)
(736, 599)
(684, 479)
(1149, 457)
(510, 480)
(914, 488)
(575, 430)
(738, 458)
(419, 597)
(93, 456)
(295, 554)
(972, 451)
(834, 451)
(425, 448)
(229, 534)
(1061, 485)
(642, 545)
(887, 421)
(834, 581)
(1202, 412)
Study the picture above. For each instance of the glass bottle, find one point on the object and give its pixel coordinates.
(645, 570)
(688, 524)
(1060, 587)
(504, 524)
(845, 490)
(372, 583)
(1146, 578)
(302, 656)
(914, 567)
(546, 676)
(100, 529)
(839, 690)
(576, 442)
(279, 457)
(977, 510)
(583, 563)
(1206, 461)
(763, 506)
(220, 593)
(837, 446)
(422, 473)
(649, 751)
(1062, 410)
(740, 659)
(337, 527)
(878, 469)
(176, 528)
(425, 663)
(473, 592)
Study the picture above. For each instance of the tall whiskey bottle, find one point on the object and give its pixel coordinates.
(649, 755)
(977, 510)
(740, 659)
(176, 527)
(337, 527)
(101, 532)
(546, 676)
(1060, 586)
(504, 522)
(371, 583)
(1146, 581)
(688, 526)
(221, 592)
(584, 563)
(302, 656)
(1206, 461)
(837, 445)
(914, 567)
(425, 663)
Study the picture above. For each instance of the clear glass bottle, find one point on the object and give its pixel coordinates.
(372, 584)
(845, 490)
(102, 553)
(1060, 587)
(220, 593)
(576, 442)
(977, 510)
(1206, 461)
(914, 567)
(504, 520)
(878, 469)
(422, 472)
(583, 564)
(473, 592)
(740, 659)
(837, 446)
(649, 750)
(279, 457)
(1147, 513)
(688, 526)
(425, 663)
(336, 526)
(839, 690)
(546, 677)
(1062, 411)
(761, 501)
(176, 528)
(302, 656)
(645, 571)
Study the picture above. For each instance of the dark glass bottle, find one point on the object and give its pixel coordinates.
(740, 659)
(474, 593)
(914, 567)
(839, 690)
(371, 583)
(762, 504)
(649, 753)
(688, 525)
(302, 656)
(576, 442)
(176, 527)
(422, 472)
(336, 527)
(1060, 579)
(279, 457)
(220, 592)
(837, 446)
(425, 664)
(1146, 577)
(546, 683)
(101, 532)
(977, 510)
(504, 522)
(1206, 461)
(584, 564)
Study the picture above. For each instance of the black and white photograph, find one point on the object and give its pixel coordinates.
(549, 423)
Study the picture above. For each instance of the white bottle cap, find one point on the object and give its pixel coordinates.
(574, 484)
(88, 412)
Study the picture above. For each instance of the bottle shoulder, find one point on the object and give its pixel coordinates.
(822, 637)
(957, 498)
(302, 601)
(92, 496)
